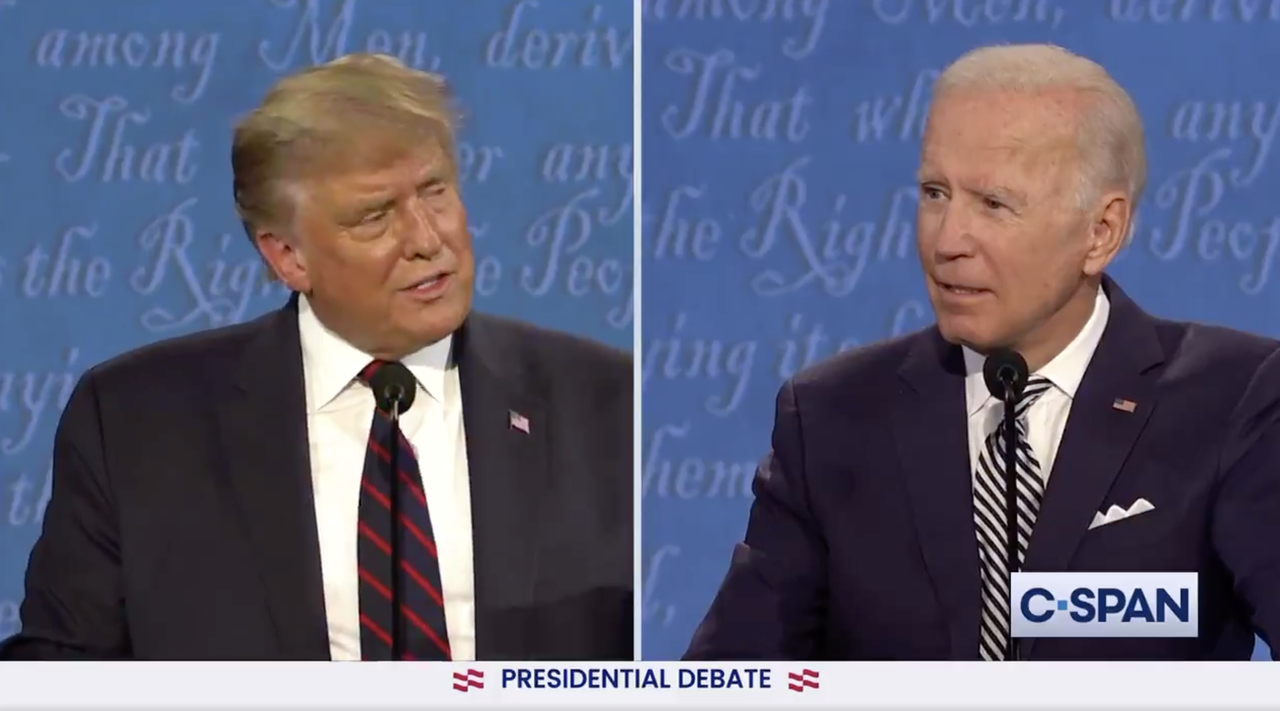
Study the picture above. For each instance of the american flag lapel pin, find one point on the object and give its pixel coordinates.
(1124, 405)
(519, 422)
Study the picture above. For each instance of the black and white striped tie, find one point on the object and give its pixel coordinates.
(989, 517)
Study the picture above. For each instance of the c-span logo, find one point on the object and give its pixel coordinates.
(1105, 605)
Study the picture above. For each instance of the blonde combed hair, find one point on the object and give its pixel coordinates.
(1111, 137)
(357, 110)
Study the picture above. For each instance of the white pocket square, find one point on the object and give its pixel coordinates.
(1115, 513)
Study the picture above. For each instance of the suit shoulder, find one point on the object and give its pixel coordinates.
(1197, 347)
(177, 357)
(864, 363)
(555, 347)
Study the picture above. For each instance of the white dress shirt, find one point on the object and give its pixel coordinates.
(1047, 417)
(339, 414)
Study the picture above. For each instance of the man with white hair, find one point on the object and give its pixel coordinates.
(879, 529)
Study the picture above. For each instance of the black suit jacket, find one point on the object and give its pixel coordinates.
(182, 524)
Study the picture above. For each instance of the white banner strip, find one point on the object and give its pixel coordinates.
(850, 685)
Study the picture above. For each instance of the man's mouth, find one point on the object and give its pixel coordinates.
(957, 289)
(429, 284)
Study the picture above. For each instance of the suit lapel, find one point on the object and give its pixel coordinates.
(1098, 436)
(263, 425)
(931, 432)
(509, 468)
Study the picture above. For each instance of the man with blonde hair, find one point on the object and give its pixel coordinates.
(880, 529)
(373, 471)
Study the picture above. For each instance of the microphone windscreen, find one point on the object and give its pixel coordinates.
(393, 383)
(1005, 373)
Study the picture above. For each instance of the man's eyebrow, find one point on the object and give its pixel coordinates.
(435, 177)
(360, 210)
(1002, 192)
(1005, 193)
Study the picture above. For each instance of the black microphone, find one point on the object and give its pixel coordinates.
(1006, 375)
(394, 389)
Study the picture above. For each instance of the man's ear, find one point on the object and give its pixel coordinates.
(285, 258)
(1111, 222)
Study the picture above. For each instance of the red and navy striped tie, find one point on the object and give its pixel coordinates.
(421, 620)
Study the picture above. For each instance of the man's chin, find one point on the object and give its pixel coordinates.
(964, 335)
(438, 320)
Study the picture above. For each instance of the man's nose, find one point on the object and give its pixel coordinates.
(421, 238)
(955, 234)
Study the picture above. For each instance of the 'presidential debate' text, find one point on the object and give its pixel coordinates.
(711, 678)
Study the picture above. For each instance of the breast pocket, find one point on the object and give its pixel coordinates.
(1154, 541)
(1138, 530)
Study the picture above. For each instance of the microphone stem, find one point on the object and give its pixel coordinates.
(397, 617)
(1011, 500)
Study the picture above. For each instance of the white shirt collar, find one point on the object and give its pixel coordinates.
(331, 364)
(1065, 371)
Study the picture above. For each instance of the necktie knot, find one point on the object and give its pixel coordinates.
(1037, 386)
(366, 373)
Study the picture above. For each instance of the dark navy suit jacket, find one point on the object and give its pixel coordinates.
(182, 524)
(861, 540)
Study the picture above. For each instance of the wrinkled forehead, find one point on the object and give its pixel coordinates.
(377, 164)
(1031, 137)
(374, 151)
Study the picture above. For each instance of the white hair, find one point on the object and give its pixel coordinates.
(1110, 130)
